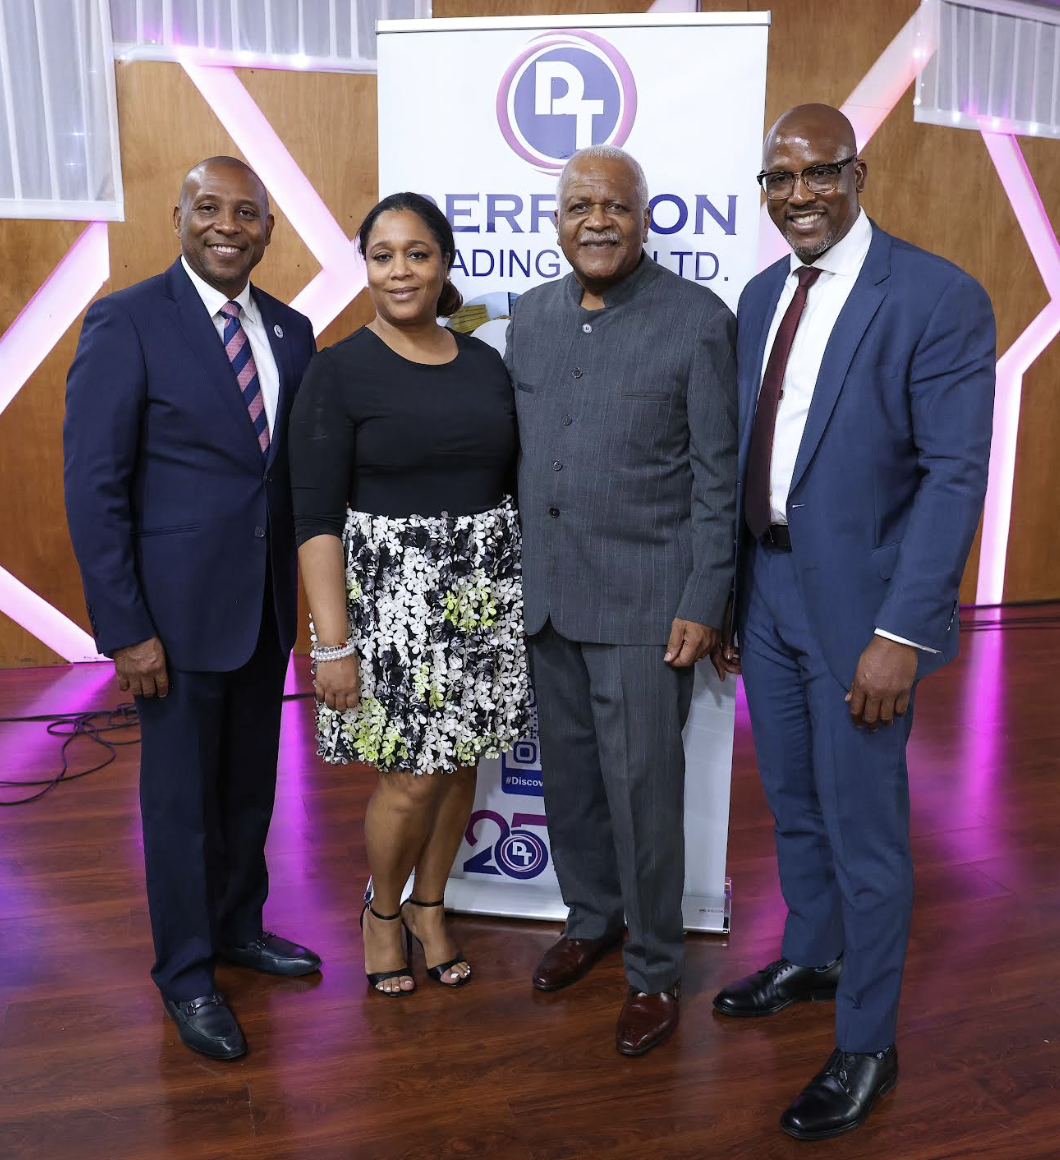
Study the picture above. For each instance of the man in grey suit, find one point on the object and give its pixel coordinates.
(625, 386)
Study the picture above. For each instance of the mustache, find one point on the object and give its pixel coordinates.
(605, 236)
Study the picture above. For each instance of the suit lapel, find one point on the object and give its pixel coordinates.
(749, 382)
(201, 335)
(858, 311)
(280, 341)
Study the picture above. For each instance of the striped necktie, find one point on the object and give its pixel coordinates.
(237, 347)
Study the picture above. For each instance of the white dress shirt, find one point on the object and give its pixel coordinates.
(251, 321)
(840, 267)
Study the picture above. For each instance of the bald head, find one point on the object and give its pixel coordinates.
(206, 168)
(816, 144)
(223, 222)
(822, 125)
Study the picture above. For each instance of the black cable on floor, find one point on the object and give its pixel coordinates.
(71, 726)
(95, 725)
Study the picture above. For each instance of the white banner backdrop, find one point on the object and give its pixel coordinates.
(479, 115)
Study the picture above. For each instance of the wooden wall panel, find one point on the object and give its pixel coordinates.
(34, 546)
(934, 186)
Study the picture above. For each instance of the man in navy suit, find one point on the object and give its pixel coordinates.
(178, 500)
(866, 383)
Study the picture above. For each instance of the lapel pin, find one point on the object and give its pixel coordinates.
(278, 330)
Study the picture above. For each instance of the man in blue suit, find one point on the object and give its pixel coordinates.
(866, 382)
(178, 500)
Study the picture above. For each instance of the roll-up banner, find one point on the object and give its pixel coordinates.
(480, 115)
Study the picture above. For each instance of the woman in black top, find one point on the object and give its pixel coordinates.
(402, 447)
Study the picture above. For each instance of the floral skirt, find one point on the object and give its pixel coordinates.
(436, 613)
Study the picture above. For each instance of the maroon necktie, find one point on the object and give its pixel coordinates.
(756, 494)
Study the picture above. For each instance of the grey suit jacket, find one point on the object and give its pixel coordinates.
(627, 465)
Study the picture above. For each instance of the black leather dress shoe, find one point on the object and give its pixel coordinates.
(777, 986)
(207, 1026)
(273, 955)
(839, 1099)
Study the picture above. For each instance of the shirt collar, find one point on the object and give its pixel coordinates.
(645, 271)
(847, 256)
(213, 299)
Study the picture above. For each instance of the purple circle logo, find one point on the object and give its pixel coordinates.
(521, 854)
(567, 91)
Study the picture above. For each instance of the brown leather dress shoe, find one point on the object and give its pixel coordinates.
(647, 1020)
(570, 959)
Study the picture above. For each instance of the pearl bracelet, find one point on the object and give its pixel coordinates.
(332, 652)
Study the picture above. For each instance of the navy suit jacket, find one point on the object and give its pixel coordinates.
(172, 508)
(891, 472)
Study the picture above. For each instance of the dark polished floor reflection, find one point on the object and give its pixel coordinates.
(90, 1068)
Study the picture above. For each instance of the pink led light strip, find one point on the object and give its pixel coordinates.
(1034, 222)
(68, 289)
(46, 623)
(23, 347)
(342, 274)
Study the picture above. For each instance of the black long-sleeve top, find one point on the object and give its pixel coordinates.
(381, 434)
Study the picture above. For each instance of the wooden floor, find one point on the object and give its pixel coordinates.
(90, 1069)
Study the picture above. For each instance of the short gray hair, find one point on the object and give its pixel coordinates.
(605, 153)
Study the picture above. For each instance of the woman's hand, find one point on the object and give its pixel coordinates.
(338, 683)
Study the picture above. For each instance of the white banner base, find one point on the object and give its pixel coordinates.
(702, 914)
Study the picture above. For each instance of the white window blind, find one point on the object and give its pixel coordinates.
(59, 153)
(324, 35)
(997, 67)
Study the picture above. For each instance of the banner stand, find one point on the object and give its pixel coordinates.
(500, 104)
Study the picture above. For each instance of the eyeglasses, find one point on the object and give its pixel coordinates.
(817, 178)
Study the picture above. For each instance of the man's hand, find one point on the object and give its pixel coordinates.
(689, 642)
(338, 683)
(882, 683)
(726, 656)
(141, 669)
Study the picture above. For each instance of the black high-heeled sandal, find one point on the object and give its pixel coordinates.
(437, 972)
(376, 977)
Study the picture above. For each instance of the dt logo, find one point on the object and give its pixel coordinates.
(567, 91)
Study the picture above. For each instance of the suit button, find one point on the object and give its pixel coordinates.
(268, 479)
(566, 420)
(577, 372)
(260, 533)
(554, 513)
(557, 466)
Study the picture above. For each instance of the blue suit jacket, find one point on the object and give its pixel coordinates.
(171, 507)
(891, 472)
